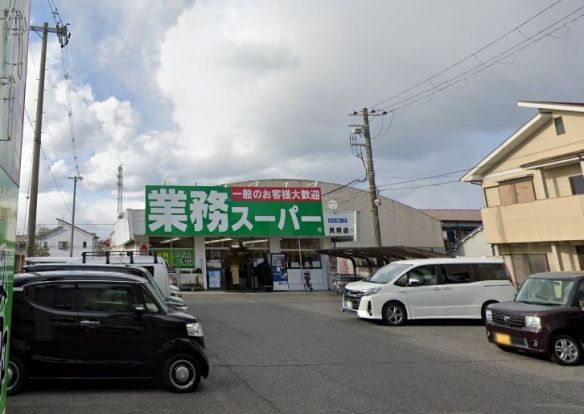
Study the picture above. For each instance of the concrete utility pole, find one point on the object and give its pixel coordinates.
(75, 179)
(61, 32)
(373, 200)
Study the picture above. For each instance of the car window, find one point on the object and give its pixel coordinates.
(457, 273)
(388, 273)
(425, 275)
(56, 296)
(108, 298)
(149, 302)
(490, 271)
(580, 297)
(546, 291)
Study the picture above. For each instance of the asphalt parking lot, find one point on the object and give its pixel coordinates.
(296, 352)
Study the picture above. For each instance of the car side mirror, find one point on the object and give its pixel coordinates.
(414, 282)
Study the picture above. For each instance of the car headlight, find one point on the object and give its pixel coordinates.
(533, 322)
(194, 329)
(371, 291)
(489, 315)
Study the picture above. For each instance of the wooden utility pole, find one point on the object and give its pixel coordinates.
(75, 179)
(34, 181)
(61, 31)
(373, 200)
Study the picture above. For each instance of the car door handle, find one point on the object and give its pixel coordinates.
(437, 289)
(447, 288)
(89, 323)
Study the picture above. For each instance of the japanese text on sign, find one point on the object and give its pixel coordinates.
(253, 211)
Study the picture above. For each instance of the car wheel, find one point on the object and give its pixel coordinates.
(566, 350)
(394, 314)
(181, 373)
(15, 375)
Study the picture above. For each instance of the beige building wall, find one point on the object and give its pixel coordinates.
(546, 143)
(546, 229)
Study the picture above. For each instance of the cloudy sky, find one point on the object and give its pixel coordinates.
(211, 92)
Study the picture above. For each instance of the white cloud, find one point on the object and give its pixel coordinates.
(213, 92)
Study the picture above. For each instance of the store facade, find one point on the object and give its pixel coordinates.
(239, 238)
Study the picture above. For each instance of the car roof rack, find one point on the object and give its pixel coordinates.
(128, 253)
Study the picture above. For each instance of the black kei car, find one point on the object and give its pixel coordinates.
(100, 324)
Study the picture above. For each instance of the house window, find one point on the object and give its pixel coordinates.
(559, 124)
(84, 244)
(46, 245)
(577, 184)
(519, 191)
(63, 245)
(528, 264)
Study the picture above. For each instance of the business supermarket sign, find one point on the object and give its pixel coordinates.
(234, 211)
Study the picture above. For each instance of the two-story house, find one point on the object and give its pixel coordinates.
(533, 190)
(58, 239)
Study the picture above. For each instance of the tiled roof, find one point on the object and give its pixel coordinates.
(455, 214)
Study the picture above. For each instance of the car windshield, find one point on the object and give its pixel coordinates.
(546, 292)
(388, 273)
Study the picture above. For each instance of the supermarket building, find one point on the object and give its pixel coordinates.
(265, 234)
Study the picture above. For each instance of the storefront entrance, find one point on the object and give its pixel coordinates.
(238, 264)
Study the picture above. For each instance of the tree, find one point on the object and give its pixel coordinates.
(39, 249)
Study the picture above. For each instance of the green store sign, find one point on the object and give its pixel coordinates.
(233, 211)
(181, 258)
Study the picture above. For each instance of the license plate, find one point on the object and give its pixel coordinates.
(502, 339)
(348, 304)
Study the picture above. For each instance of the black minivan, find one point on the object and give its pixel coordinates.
(100, 324)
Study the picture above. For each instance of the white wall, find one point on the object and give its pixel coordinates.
(52, 242)
(474, 245)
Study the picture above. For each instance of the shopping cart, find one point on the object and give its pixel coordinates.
(338, 282)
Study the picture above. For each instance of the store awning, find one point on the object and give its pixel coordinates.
(388, 253)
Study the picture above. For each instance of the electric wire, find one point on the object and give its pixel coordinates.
(483, 65)
(421, 186)
(46, 123)
(423, 178)
(470, 56)
(48, 167)
(66, 77)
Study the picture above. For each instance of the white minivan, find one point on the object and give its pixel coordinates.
(154, 264)
(456, 288)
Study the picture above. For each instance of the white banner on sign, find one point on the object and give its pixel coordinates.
(339, 224)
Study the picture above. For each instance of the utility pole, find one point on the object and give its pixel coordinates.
(61, 32)
(368, 161)
(373, 200)
(75, 179)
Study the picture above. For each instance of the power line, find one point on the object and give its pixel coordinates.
(48, 166)
(468, 57)
(424, 178)
(47, 129)
(65, 66)
(421, 186)
(482, 65)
